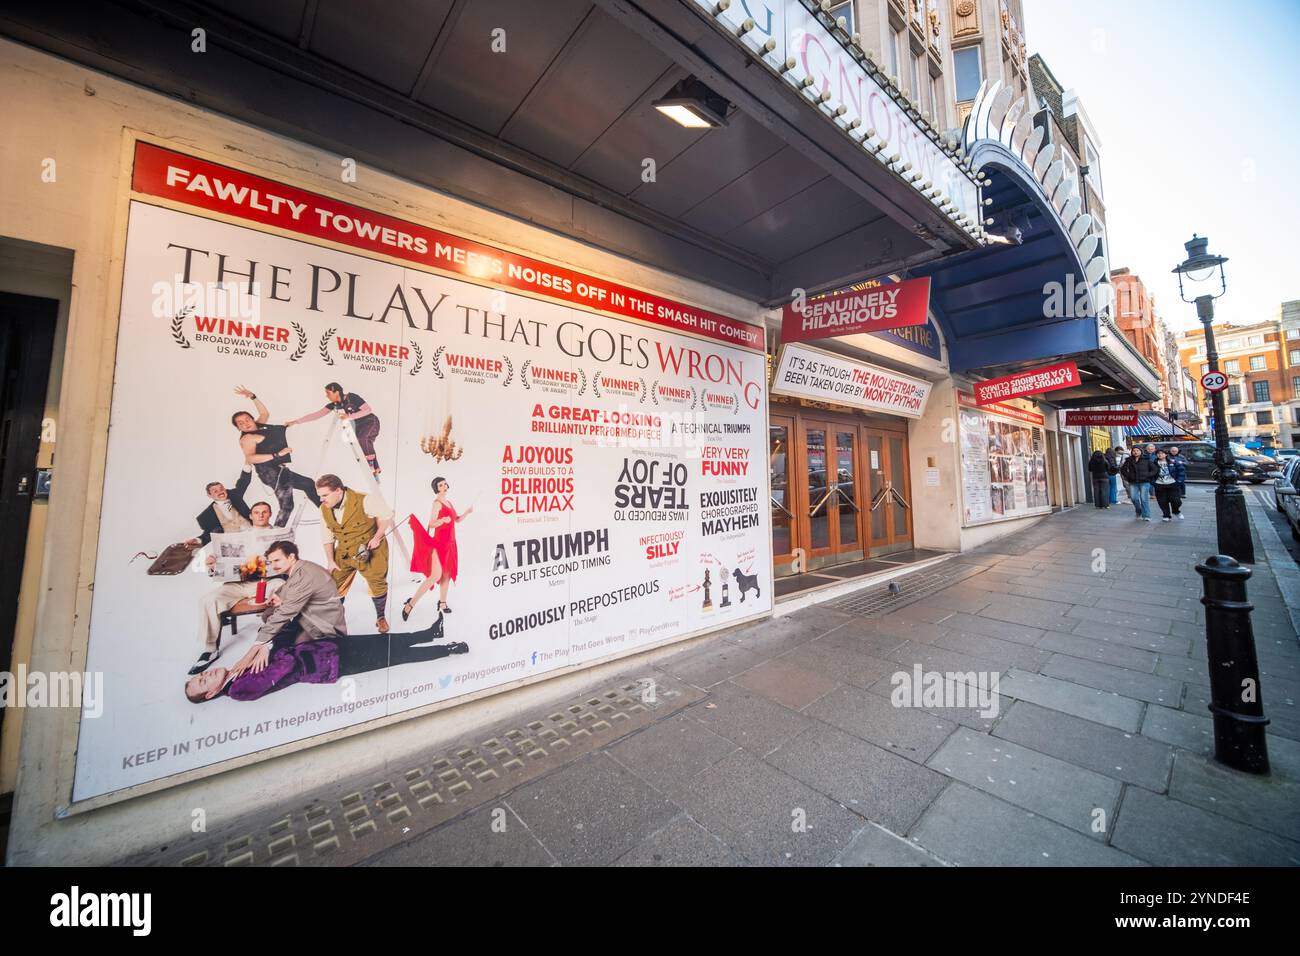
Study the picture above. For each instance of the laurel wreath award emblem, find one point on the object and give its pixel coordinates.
(582, 388)
(325, 347)
(433, 362)
(178, 333)
(419, 359)
(301, 350)
(523, 375)
(642, 381)
(510, 370)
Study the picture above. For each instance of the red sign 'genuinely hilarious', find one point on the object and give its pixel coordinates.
(1063, 375)
(854, 310)
(1101, 418)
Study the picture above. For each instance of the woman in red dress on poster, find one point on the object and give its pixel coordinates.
(434, 554)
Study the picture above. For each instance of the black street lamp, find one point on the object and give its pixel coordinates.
(1229, 500)
(1236, 699)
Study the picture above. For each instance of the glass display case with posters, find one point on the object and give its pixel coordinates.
(1004, 465)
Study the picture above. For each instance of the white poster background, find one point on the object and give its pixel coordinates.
(171, 434)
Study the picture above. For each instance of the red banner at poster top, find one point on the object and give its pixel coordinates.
(197, 182)
(1101, 418)
(849, 311)
(1063, 375)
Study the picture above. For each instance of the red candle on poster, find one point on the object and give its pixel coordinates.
(1047, 379)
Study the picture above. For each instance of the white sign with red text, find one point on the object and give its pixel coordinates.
(808, 373)
(797, 35)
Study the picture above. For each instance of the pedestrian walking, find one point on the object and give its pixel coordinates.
(1179, 464)
(1168, 493)
(1100, 471)
(1121, 456)
(1114, 458)
(1141, 473)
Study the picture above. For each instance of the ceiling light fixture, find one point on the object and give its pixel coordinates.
(692, 104)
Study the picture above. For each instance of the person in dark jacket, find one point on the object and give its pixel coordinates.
(1167, 487)
(1114, 458)
(1100, 470)
(1140, 471)
(1179, 466)
(227, 513)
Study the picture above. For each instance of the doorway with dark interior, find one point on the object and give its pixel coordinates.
(27, 326)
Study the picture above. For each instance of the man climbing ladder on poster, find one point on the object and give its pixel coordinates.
(349, 407)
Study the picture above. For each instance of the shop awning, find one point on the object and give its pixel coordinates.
(1155, 425)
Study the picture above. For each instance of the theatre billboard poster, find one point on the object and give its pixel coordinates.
(1003, 462)
(602, 480)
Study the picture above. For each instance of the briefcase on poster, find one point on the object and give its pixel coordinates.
(174, 559)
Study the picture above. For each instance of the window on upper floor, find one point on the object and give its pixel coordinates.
(967, 72)
(1295, 356)
(1258, 363)
(1232, 367)
(1204, 368)
(1237, 420)
(844, 10)
(1094, 167)
(1293, 333)
(895, 42)
(1295, 388)
(1254, 340)
(1263, 418)
(1234, 394)
(1261, 391)
(916, 77)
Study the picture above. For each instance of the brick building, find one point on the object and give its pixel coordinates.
(1136, 318)
(1263, 369)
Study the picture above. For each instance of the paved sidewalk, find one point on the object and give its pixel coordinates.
(777, 743)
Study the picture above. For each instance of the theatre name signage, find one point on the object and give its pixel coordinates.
(851, 311)
(808, 373)
(1033, 382)
(1101, 418)
(790, 40)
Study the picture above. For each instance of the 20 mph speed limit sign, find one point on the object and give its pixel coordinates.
(1214, 381)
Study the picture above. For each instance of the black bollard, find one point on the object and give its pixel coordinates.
(1236, 698)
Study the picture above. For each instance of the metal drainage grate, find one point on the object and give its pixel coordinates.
(342, 827)
(878, 600)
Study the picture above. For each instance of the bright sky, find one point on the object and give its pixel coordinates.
(1197, 104)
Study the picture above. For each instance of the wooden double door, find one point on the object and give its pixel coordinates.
(840, 489)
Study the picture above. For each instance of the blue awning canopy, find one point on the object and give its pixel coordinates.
(1035, 293)
(1155, 425)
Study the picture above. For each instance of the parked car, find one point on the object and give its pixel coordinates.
(1285, 480)
(1199, 458)
(1286, 495)
(1282, 454)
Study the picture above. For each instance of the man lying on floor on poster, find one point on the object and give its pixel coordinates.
(321, 661)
